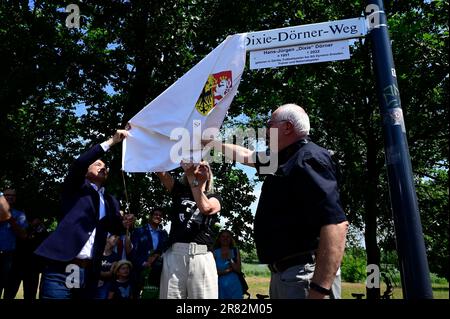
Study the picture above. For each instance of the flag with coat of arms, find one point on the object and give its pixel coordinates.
(197, 101)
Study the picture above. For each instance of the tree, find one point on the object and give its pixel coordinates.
(127, 52)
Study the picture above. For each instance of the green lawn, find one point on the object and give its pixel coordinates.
(260, 285)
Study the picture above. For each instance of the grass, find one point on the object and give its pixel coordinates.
(260, 285)
(258, 279)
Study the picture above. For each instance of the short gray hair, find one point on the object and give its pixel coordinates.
(296, 115)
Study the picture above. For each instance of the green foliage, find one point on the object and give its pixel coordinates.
(433, 197)
(437, 280)
(249, 256)
(51, 224)
(127, 52)
(353, 267)
(255, 270)
(124, 55)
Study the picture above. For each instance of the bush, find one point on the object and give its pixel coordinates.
(255, 270)
(249, 257)
(435, 279)
(353, 267)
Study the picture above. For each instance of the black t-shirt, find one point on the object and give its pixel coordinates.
(122, 290)
(107, 261)
(188, 223)
(296, 201)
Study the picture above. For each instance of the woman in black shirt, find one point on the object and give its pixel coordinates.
(189, 269)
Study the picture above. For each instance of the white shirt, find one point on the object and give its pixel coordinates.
(87, 250)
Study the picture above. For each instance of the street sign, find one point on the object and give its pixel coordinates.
(300, 54)
(309, 33)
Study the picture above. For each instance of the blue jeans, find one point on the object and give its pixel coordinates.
(58, 285)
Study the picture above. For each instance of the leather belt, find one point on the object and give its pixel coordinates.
(290, 261)
(82, 263)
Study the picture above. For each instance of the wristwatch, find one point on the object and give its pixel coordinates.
(316, 287)
(195, 183)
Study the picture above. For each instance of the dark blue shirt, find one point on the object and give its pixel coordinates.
(296, 201)
(7, 235)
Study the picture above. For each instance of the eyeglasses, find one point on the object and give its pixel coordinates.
(272, 122)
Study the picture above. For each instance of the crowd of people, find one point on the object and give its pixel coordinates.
(95, 252)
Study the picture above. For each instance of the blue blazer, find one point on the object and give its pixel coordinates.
(143, 244)
(80, 207)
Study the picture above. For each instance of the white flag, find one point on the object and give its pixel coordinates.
(197, 101)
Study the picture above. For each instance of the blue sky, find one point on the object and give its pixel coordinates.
(250, 172)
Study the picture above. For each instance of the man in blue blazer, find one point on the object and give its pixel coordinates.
(149, 242)
(73, 251)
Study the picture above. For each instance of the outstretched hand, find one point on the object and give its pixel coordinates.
(118, 137)
(188, 168)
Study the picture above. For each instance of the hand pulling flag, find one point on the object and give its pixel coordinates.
(198, 100)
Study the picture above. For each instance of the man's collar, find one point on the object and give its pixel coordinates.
(101, 190)
(291, 149)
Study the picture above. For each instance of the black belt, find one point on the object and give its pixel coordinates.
(61, 266)
(288, 262)
(82, 263)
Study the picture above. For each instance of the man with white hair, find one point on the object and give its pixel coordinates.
(300, 226)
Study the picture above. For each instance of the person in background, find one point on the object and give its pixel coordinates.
(109, 259)
(149, 242)
(12, 229)
(228, 262)
(121, 287)
(27, 267)
(124, 246)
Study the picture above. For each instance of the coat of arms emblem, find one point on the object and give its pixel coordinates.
(215, 89)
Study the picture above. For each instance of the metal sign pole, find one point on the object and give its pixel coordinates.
(414, 269)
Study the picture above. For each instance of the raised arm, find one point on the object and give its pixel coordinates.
(166, 179)
(207, 206)
(77, 172)
(197, 176)
(234, 152)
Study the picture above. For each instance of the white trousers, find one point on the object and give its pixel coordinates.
(189, 272)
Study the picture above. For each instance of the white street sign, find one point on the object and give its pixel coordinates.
(309, 33)
(300, 54)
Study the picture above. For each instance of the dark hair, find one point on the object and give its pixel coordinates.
(159, 209)
(103, 159)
